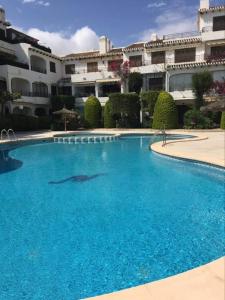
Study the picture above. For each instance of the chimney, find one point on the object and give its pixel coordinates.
(204, 4)
(2, 15)
(104, 45)
(154, 37)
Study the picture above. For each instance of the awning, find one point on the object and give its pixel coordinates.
(108, 80)
(84, 83)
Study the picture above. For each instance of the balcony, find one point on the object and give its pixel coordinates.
(215, 57)
(82, 75)
(38, 64)
(38, 69)
(5, 61)
(182, 35)
(209, 34)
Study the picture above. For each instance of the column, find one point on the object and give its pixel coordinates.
(96, 90)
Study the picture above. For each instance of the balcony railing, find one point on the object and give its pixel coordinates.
(32, 94)
(215, 57)
(38, 69)
(214, 3)
(181, 35)
(207, 29)
(4, 61)
(186, 59)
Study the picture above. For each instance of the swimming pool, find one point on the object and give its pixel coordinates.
(87, 219)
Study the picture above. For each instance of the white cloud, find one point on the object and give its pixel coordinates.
(28, 1)
(174, 20)
(83, 39)
(156, 4)
(37, 2)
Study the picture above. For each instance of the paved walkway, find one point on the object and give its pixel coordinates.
(206, 282)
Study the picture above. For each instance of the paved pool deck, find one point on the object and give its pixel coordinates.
(206, 282)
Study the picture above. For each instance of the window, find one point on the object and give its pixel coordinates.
(106, 89)
(65, 90)
(53, 90)
(92, 67)
(219, 23)
(52, 67)
(158, 57)
(181, 82)
(185, 55)
(114, 65)
(135, 61)
(156, 82)
(70, 69)
(85, 91)
(218, 51)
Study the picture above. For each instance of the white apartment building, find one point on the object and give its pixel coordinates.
(166, 63)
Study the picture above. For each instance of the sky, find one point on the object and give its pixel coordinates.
(70, 26)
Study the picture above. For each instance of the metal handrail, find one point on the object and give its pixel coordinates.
(164, 135)
(13, 134)
(4, 131)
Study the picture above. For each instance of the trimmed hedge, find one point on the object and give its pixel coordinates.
(222, 123)
(92, 112)
(165, 112)
(135, 82)
(125, 109)
(194, 119)
(25, 123)
(109, 122)
(149, 100)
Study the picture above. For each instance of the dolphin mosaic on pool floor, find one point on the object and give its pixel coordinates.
(78, 178)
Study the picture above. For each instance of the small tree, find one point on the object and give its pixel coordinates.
(58, 102)
(201, 84)
(165, 113)
(135, 82)
(122, 71)
(92, 112)
(7, 97)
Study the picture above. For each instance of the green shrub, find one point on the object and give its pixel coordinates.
(165, 112)
(5, 123)
(222, 123)
(201, 84)
(109, 122)
(125, 110)
(135, 82)
(92, 112)
(148, 105)
(44, 122)
(194, 119)
(23, 123)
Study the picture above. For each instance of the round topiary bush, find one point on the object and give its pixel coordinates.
(92, 112)
(165, 112)
(222, 123)
(109, 122)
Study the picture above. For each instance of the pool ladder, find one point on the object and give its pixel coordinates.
(8, 135)
(162, 132)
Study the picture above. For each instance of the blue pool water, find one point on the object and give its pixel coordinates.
(82, 220)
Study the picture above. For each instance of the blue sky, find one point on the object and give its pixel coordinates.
(79, 23)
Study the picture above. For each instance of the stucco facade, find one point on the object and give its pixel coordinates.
(165, 63)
